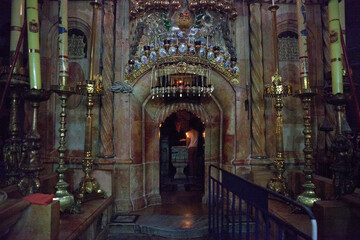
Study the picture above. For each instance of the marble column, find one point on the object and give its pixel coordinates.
(107, 129)
(257, 82)
(329, 109)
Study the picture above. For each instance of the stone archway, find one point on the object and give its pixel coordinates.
(139, 119)
(154, 113)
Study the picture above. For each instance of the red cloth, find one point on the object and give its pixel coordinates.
(40, 198)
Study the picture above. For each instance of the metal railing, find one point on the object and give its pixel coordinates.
(239, 209)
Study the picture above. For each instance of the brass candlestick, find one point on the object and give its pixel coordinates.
(308, 197)
(89, 188)
(30, 160)
(67, 200)
(344, 164)
(13, 145)
(278, 90)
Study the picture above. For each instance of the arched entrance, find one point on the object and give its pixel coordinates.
(178, 174)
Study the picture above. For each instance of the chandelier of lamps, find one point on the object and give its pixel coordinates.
(181, 58)
(224, 7)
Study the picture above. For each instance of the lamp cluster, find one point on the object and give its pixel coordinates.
(178, 86)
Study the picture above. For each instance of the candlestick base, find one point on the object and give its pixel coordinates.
(308, 197)
(277, 183)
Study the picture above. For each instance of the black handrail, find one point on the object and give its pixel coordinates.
(255, 198)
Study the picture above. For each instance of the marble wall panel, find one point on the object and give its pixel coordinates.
(268, 61)
(137, 186)
(152, 140)
(136, 139)
(122, 43)
(242, 125)
(122, 187)
(122, 126)
(152, 183)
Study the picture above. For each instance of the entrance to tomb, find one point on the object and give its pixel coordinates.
(176, 176)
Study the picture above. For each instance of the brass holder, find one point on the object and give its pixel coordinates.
(308, 197)
(342, 149)
(30, 160)
(278, 90)
(13, 145)
(66, 199)
(89, 188)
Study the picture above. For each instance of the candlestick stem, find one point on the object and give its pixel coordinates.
(67, 200)
(308, 197)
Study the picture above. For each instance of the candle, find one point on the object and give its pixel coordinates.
(33, 43)
(273, 2)
(302, 41)
(17, 21)
(335, 47)
(63, 60)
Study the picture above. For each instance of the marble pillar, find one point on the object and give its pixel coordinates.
(107, 129)
(257, 83)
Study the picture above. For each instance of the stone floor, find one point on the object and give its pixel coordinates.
(181, 216)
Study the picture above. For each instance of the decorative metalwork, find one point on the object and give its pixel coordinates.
(30, 159)
(183, 36)
(195, 57)
(140, 7)
(278, 90)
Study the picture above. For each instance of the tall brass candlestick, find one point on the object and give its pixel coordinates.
(12, 146)
(89, 188)
(308, 197)
(33, 43)
(278, 90)
(67, 200)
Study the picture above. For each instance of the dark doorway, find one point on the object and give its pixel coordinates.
(177, 178)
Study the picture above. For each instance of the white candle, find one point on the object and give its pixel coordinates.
(273, 2)
(33, 43)
(63, 42)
